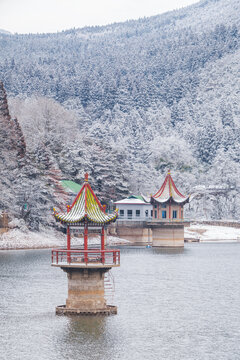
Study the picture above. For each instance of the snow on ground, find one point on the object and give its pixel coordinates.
(21, 238)
(203, 232)
(114, 240)
(17, 239)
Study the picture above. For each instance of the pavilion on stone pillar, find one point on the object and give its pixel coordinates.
(86, 266)
(168, 202)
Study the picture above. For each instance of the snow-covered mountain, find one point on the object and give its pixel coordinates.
(2, 31)
(161, 92)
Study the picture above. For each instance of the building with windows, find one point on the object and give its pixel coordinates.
(157, 220)
(134, 208)
(166, 205)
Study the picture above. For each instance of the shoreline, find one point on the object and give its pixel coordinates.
(19, 239)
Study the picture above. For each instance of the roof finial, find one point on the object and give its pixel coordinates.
(86, 177)
(169, 172)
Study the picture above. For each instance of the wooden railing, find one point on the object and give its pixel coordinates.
(80, 256)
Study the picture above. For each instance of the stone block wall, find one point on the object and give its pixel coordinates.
(168, 236)
(86, 289)
(134, 231)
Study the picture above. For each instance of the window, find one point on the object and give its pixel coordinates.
(164, 214)
(137, 213)
(155, 214)
(129, 214)
(151, 213)
(164, 206)
(146, 213)
(155, 206)
(121, 212)
(174, 214)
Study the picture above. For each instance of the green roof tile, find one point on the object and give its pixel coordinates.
(71, 186)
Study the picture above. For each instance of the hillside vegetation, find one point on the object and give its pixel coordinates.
(130, 100)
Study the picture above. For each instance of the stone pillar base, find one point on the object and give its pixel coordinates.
(109, 310)
(86, 292)
(134, 231)
(168, 236)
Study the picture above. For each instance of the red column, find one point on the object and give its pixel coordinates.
(85, 241)
(68, 245)
(103, 245)
(68, 240)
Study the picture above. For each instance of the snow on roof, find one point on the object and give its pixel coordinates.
(169, 191)
(133, 199)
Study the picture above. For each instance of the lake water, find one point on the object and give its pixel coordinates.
(171, 305)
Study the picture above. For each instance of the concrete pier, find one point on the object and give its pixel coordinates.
(155, 232)
(134, 231)
(86, 293)
(168, 235)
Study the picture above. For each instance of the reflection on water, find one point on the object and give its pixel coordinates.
(172, 304)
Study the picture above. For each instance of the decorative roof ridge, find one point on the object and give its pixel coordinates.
(78, 196)
(95, 197)
(146, 198)
(168, 190)
(86, 186)
(175, 188)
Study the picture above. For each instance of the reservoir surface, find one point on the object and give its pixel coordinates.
(172, 304)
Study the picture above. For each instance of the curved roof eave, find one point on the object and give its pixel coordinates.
(64, 218)
(162, 201)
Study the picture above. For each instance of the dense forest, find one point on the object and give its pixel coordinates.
(130, 100)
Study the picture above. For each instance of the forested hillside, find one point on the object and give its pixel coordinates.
(130, 100)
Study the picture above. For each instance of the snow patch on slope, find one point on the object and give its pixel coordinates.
(211, 233)
(17, 239)
(24, 239)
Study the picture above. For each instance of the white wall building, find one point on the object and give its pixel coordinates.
(134, 208)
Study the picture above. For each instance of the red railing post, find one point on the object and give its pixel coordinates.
(103, 245)
(86, 256)
(114, 256)
(86, 241)
(68, 240)
(68, 245)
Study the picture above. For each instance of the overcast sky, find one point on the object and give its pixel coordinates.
(32, 16)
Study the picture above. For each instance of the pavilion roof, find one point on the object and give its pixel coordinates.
(86, 206)
(168, 191)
